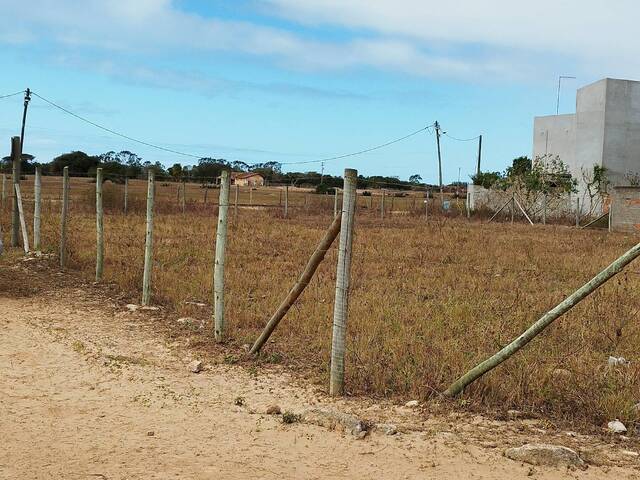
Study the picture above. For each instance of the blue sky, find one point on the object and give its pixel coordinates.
(298, 80)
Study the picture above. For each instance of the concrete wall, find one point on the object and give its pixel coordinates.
(621, 152)
(625, 209)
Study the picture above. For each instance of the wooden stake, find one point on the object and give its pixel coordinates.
(148, 246)
(99, 227)
(235, 206)
(522, 210)
(126, 194)
(498, 211)
(335, 201)
(23, 223)
(286, 201)
(4, 190)
(577, 212)
(544, 209)
(63, 217)
(37, 207)
(218, 267)
(300, 285)
(546, 320)
(183, 199)
(16, 173)
(382, 204)
(341, 305)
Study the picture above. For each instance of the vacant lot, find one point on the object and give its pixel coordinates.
(428, 299)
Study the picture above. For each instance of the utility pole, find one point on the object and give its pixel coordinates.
(479, 154)
(27, 99)
(437, 128)
(322, 173)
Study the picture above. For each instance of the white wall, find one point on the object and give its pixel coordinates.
(621, 152)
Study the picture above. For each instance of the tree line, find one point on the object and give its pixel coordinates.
(116, 166)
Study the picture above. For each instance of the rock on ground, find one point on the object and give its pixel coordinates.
(545, 454)
(196, 366)
(274, 410)
(336, 420)
(616, 426)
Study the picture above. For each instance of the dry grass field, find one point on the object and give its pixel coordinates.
(428, 299)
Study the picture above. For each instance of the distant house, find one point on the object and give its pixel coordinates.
(247, 179)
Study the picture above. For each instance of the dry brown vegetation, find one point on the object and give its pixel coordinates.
(428, 300)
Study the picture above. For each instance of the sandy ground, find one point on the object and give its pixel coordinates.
(90, 390)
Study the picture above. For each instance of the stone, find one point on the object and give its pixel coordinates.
(615, 361)
(630, 453)
(616, 426)
(387, 428)
(191, 322)
(336, 420)
(132, 307)
(545, 455)
(149, 308)
(274, 410)
(150, 433)
(196, 366)
(412, 404)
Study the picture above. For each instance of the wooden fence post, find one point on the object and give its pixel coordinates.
(15, 180)
(250, 195)
(63, 217)
(426, 208)
(286, 201)
(577, 212)
(235, 206)
(148, 246)
(544, 209)
(335, 201)
(300, 285)
(37, 208)
(218, 266)
(341, 305)
(4, 190)
(23, 223)
(384, 193)
(183, 199)
(544, 321)
(99, 227)
(126, 194)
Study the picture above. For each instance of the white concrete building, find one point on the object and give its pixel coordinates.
(604, 131)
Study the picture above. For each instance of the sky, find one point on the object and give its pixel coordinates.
(302, 80)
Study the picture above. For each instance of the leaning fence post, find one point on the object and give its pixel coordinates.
(300, 285)
(218, 266)
(126, 194)
(16, 173)
(23, 223)
(544, 321)
(37, 207)
(341, 305)
(99, 227)
(63, 217)
(148, 246)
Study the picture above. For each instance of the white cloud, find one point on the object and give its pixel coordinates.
(465, 39)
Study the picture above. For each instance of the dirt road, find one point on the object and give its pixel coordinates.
(90, 390)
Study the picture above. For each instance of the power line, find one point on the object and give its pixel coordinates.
(177, 152)
(11, 94)
(113, 132)
(462, 139)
